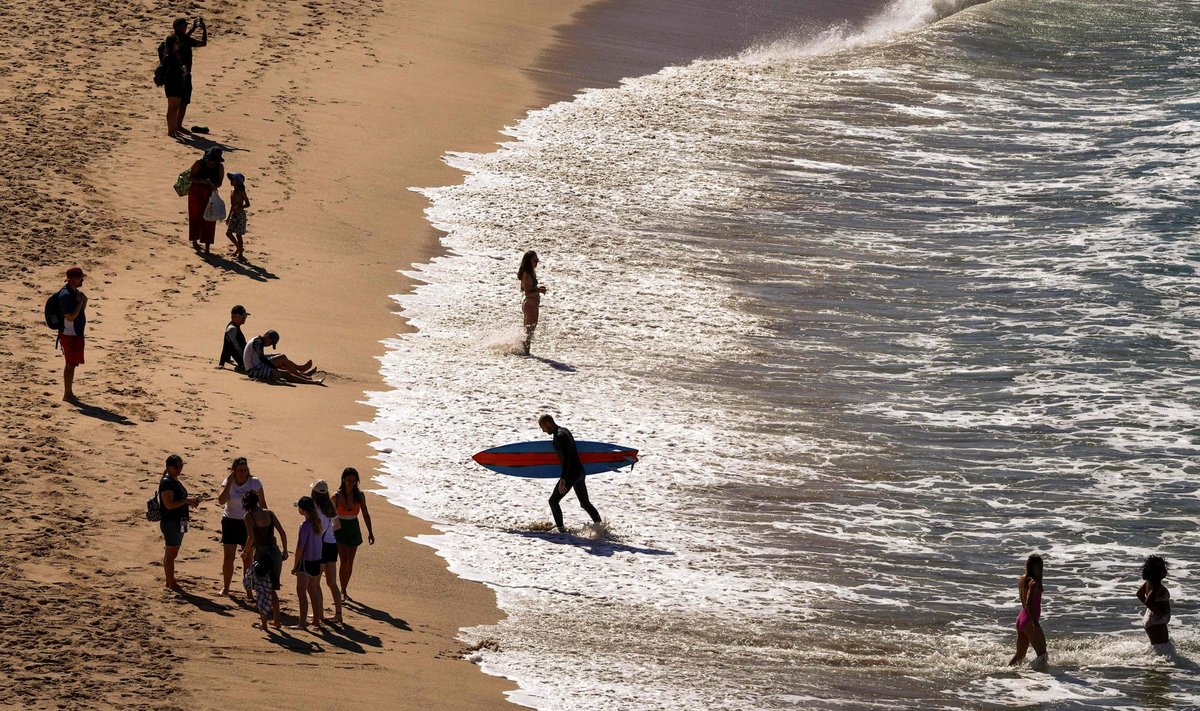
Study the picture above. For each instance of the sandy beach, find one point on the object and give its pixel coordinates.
(332, 110)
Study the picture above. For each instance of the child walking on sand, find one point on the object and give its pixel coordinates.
(308, 564)
(1157, 599)
(236, 222)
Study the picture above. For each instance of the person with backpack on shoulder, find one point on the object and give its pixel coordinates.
(186, 44)
(72, 302)
(174, 78)
(175, 505)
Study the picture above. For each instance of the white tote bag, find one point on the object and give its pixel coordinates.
(215, 211)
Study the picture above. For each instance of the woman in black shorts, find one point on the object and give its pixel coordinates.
(261, 525)
(174, 76)
(329, 546)
(233, 526)
(175, 505)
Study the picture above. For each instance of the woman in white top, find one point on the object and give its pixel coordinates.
(329, 547)
(233, 523)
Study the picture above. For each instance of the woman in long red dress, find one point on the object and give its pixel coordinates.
(207, 175)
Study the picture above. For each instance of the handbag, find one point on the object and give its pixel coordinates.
(153, 508)
(183, 183)
(215, 211)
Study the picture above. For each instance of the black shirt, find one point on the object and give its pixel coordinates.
(180, 494)
(186, 42)
(568, 456)
(68, 300)
(233, 345)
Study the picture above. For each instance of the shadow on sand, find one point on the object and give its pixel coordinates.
(374, 614)
(101, 413)
(241, 268)
(202, 142)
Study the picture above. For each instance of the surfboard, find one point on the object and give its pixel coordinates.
(537, 460)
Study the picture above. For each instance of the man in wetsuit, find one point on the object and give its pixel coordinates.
(572, 476)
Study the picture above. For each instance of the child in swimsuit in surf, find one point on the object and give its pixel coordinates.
(1029, 627)
(1157, 599)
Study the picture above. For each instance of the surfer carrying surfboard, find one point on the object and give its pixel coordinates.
(572, 476)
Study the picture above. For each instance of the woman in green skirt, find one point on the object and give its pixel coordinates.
(348, 501)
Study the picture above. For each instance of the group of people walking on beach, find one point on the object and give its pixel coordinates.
(327, 540)
(1153, 595)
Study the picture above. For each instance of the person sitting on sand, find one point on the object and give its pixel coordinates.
(573, 475)
(235, 228)
(1029, 626)
(233, 344)
(307, 565)
(261, 548)
(1157, 599)
(270, 368)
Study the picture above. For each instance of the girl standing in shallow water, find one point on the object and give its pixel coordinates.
(531, 306)
(1157, 599)
(1029, 628)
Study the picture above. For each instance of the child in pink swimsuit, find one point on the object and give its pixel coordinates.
(1157, 599)
(1029, 628)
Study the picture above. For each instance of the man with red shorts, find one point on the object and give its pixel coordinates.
(73, 302)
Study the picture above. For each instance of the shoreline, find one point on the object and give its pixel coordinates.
(332, 110)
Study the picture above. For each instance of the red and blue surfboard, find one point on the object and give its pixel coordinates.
(537, 460)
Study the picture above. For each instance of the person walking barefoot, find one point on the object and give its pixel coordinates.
(531, 305)
(1157, 599)
(1029, 627)
(176, 506)
(329, 547)
(307, 565)
(73, 304)
(348, 501)
(262, 549)
(235, 223)
(233, 522)
(572, 477)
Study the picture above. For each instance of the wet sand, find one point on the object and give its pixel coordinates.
(332, 109)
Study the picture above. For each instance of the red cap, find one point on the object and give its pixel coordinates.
(74, 272)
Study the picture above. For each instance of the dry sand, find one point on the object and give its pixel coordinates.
(332, 108)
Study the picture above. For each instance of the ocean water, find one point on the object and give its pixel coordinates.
(886, 307)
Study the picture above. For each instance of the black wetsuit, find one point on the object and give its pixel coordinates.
(233, 345)
(572, 474)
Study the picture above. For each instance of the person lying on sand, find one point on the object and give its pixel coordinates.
(271, 368)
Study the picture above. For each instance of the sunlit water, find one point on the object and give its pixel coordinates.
(885, 309)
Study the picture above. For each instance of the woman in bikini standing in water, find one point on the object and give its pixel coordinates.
(1029, 628)
(533, 295)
